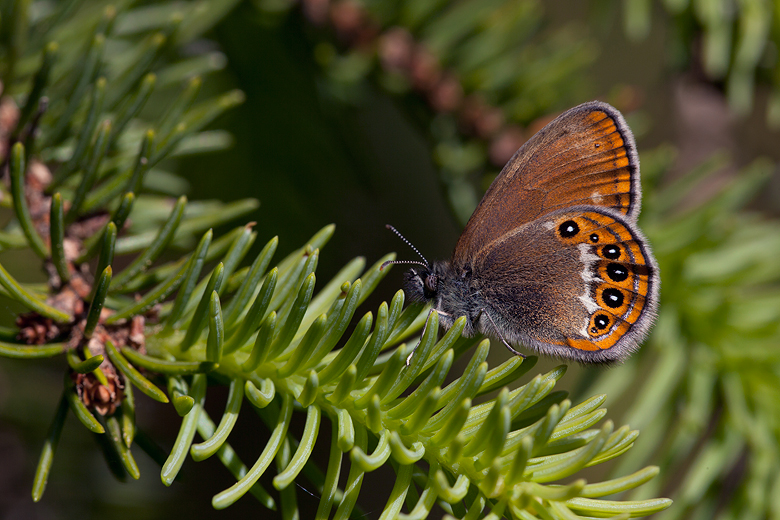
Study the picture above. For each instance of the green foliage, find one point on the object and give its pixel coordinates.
(737, 42)
(705, 378)
(143, 296)
(486, 69)
(702, 389)
(460, 441)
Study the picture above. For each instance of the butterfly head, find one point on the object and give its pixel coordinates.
(446, 292)
(421, 284)
(422, 281)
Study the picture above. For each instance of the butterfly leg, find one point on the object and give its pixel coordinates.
(498, 333)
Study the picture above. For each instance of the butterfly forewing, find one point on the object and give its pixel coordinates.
(587, 156)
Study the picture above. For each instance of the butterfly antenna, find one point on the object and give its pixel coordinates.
(393, 262)
(426, 264)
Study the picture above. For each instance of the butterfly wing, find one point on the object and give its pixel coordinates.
(586, 156)
(579, 283)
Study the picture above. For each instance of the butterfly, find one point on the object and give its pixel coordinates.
(552, 257)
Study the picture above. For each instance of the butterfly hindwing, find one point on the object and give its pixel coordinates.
(578, 283)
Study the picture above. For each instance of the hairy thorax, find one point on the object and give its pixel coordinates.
(455, 294)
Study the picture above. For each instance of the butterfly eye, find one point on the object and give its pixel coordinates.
(431, 281)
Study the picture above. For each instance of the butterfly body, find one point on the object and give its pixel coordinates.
(552, 258)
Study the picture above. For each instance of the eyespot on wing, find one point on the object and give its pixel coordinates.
(622, 279)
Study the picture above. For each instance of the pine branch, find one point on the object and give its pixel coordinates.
(184, 315)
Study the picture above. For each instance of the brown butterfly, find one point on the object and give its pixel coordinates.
(552, 257)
